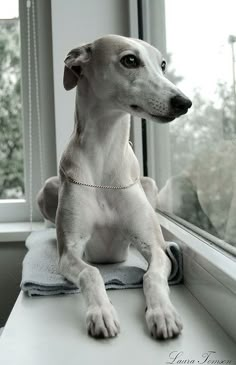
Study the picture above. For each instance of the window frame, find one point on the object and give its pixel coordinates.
(136, 123)
(205, 267)
(18, 210)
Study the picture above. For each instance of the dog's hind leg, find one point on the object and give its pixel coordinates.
(47, 198)
(151, 190)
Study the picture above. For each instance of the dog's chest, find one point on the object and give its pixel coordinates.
(109, 241)
(107, 219)
(108, 207)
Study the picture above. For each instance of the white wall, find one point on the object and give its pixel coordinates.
(75, 22)
(11, 257)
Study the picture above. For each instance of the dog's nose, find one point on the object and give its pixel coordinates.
(180, 103)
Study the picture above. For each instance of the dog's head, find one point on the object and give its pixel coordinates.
(129, 74)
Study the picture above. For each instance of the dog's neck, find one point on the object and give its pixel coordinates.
(99, 146)
(97, 124)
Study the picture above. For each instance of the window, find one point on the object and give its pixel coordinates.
(203, 143)
(11, 143)
(27, 146)
(209, 261)
(192, 159)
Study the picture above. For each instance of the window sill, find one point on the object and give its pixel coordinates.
(209, 274)
(213, 259)
(66, 338)
(18, 231)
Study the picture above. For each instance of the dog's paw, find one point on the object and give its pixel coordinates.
(163, 321)
(102, 321)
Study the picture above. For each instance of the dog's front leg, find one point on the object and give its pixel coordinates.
(161, 316)
(101, 318)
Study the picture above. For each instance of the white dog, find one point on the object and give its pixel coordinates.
(100, 206)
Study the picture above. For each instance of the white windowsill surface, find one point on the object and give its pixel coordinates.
(18, 231)
(209, 274)
(52, 331)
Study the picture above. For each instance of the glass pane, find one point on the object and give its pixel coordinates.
(11, 141)
(201, 44)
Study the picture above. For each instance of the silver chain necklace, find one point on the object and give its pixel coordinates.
(70, 179)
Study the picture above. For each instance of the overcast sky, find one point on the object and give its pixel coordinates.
(197, 36)
(8, 9)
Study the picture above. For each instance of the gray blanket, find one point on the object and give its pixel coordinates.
(40, 275)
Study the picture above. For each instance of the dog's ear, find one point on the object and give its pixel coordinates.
(74, 63)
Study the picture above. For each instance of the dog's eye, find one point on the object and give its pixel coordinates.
(130, 61)
(163, 66)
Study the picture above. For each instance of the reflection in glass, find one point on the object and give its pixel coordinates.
(201, 43)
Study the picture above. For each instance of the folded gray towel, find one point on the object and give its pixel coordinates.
(41, 276)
